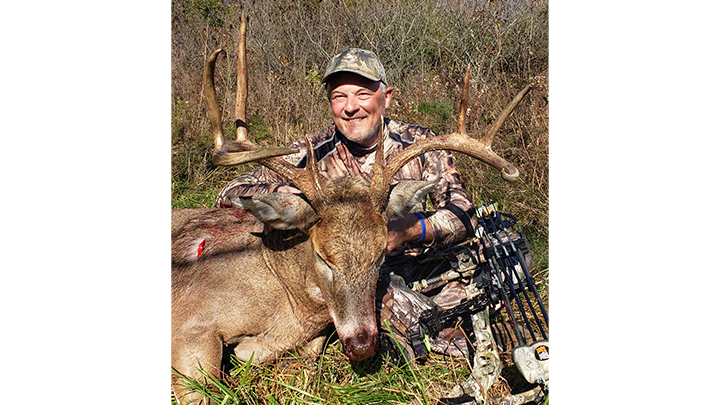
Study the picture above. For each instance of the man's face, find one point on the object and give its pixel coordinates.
(357, 106)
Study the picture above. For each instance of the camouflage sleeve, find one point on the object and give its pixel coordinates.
(454, 217)
(260, 181)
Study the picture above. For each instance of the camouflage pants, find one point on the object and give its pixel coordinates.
(400, 307)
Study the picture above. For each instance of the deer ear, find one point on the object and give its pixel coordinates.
(280, 210)
(407, 194)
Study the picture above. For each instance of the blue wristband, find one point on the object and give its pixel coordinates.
(422, 223)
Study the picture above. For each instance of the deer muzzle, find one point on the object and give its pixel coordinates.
(361, 344)
(358, 333)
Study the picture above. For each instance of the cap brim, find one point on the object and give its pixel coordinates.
(356, 71)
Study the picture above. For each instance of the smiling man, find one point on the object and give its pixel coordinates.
(357, 89)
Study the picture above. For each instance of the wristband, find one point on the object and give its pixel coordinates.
(422, 223)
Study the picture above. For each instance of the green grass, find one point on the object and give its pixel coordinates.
(183, 198)
(332, 379)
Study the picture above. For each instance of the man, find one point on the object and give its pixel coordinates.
(357, 89)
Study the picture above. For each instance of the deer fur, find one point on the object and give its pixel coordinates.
(270, 292)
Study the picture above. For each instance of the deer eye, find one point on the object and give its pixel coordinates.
(326, 269)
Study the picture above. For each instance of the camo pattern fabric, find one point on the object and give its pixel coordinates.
(453, 216)
(400, 309)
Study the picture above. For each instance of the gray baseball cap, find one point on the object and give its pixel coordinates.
(359, 61)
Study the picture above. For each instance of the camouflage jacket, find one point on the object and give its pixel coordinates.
(452, 217)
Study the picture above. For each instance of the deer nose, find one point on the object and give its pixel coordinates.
(361, 345)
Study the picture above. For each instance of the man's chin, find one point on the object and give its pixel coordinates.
(362, 137)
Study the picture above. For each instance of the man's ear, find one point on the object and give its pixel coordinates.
(388, 97)
(280, 210)
(407, 194)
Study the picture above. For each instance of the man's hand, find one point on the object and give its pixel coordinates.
(407, 228)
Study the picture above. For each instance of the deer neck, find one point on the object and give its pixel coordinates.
(287, 254)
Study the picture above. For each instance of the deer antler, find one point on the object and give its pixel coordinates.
(458, 141)
(242, 150)
(242, 83)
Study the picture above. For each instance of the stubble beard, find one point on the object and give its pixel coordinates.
(370, 137)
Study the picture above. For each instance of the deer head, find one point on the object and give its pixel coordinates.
(345, 218)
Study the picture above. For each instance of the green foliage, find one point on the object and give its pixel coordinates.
(438, 114)
(437, 109)
(258, 129)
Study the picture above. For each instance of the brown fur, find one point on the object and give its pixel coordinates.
(272, 292)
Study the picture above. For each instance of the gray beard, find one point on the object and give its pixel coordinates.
(371, 134)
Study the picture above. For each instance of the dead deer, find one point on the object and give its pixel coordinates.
(268, 293)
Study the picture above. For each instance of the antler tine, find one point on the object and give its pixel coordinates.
(242, 150)
(457, 141)
(380, 183)
(500, 120)
(230, 153)
(242, 83)
(210, 96)
(311, 182)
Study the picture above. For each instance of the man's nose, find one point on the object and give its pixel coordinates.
(351, 105)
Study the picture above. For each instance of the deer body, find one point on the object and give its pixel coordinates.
(243, 288)
(238, 291)
(270, 292)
